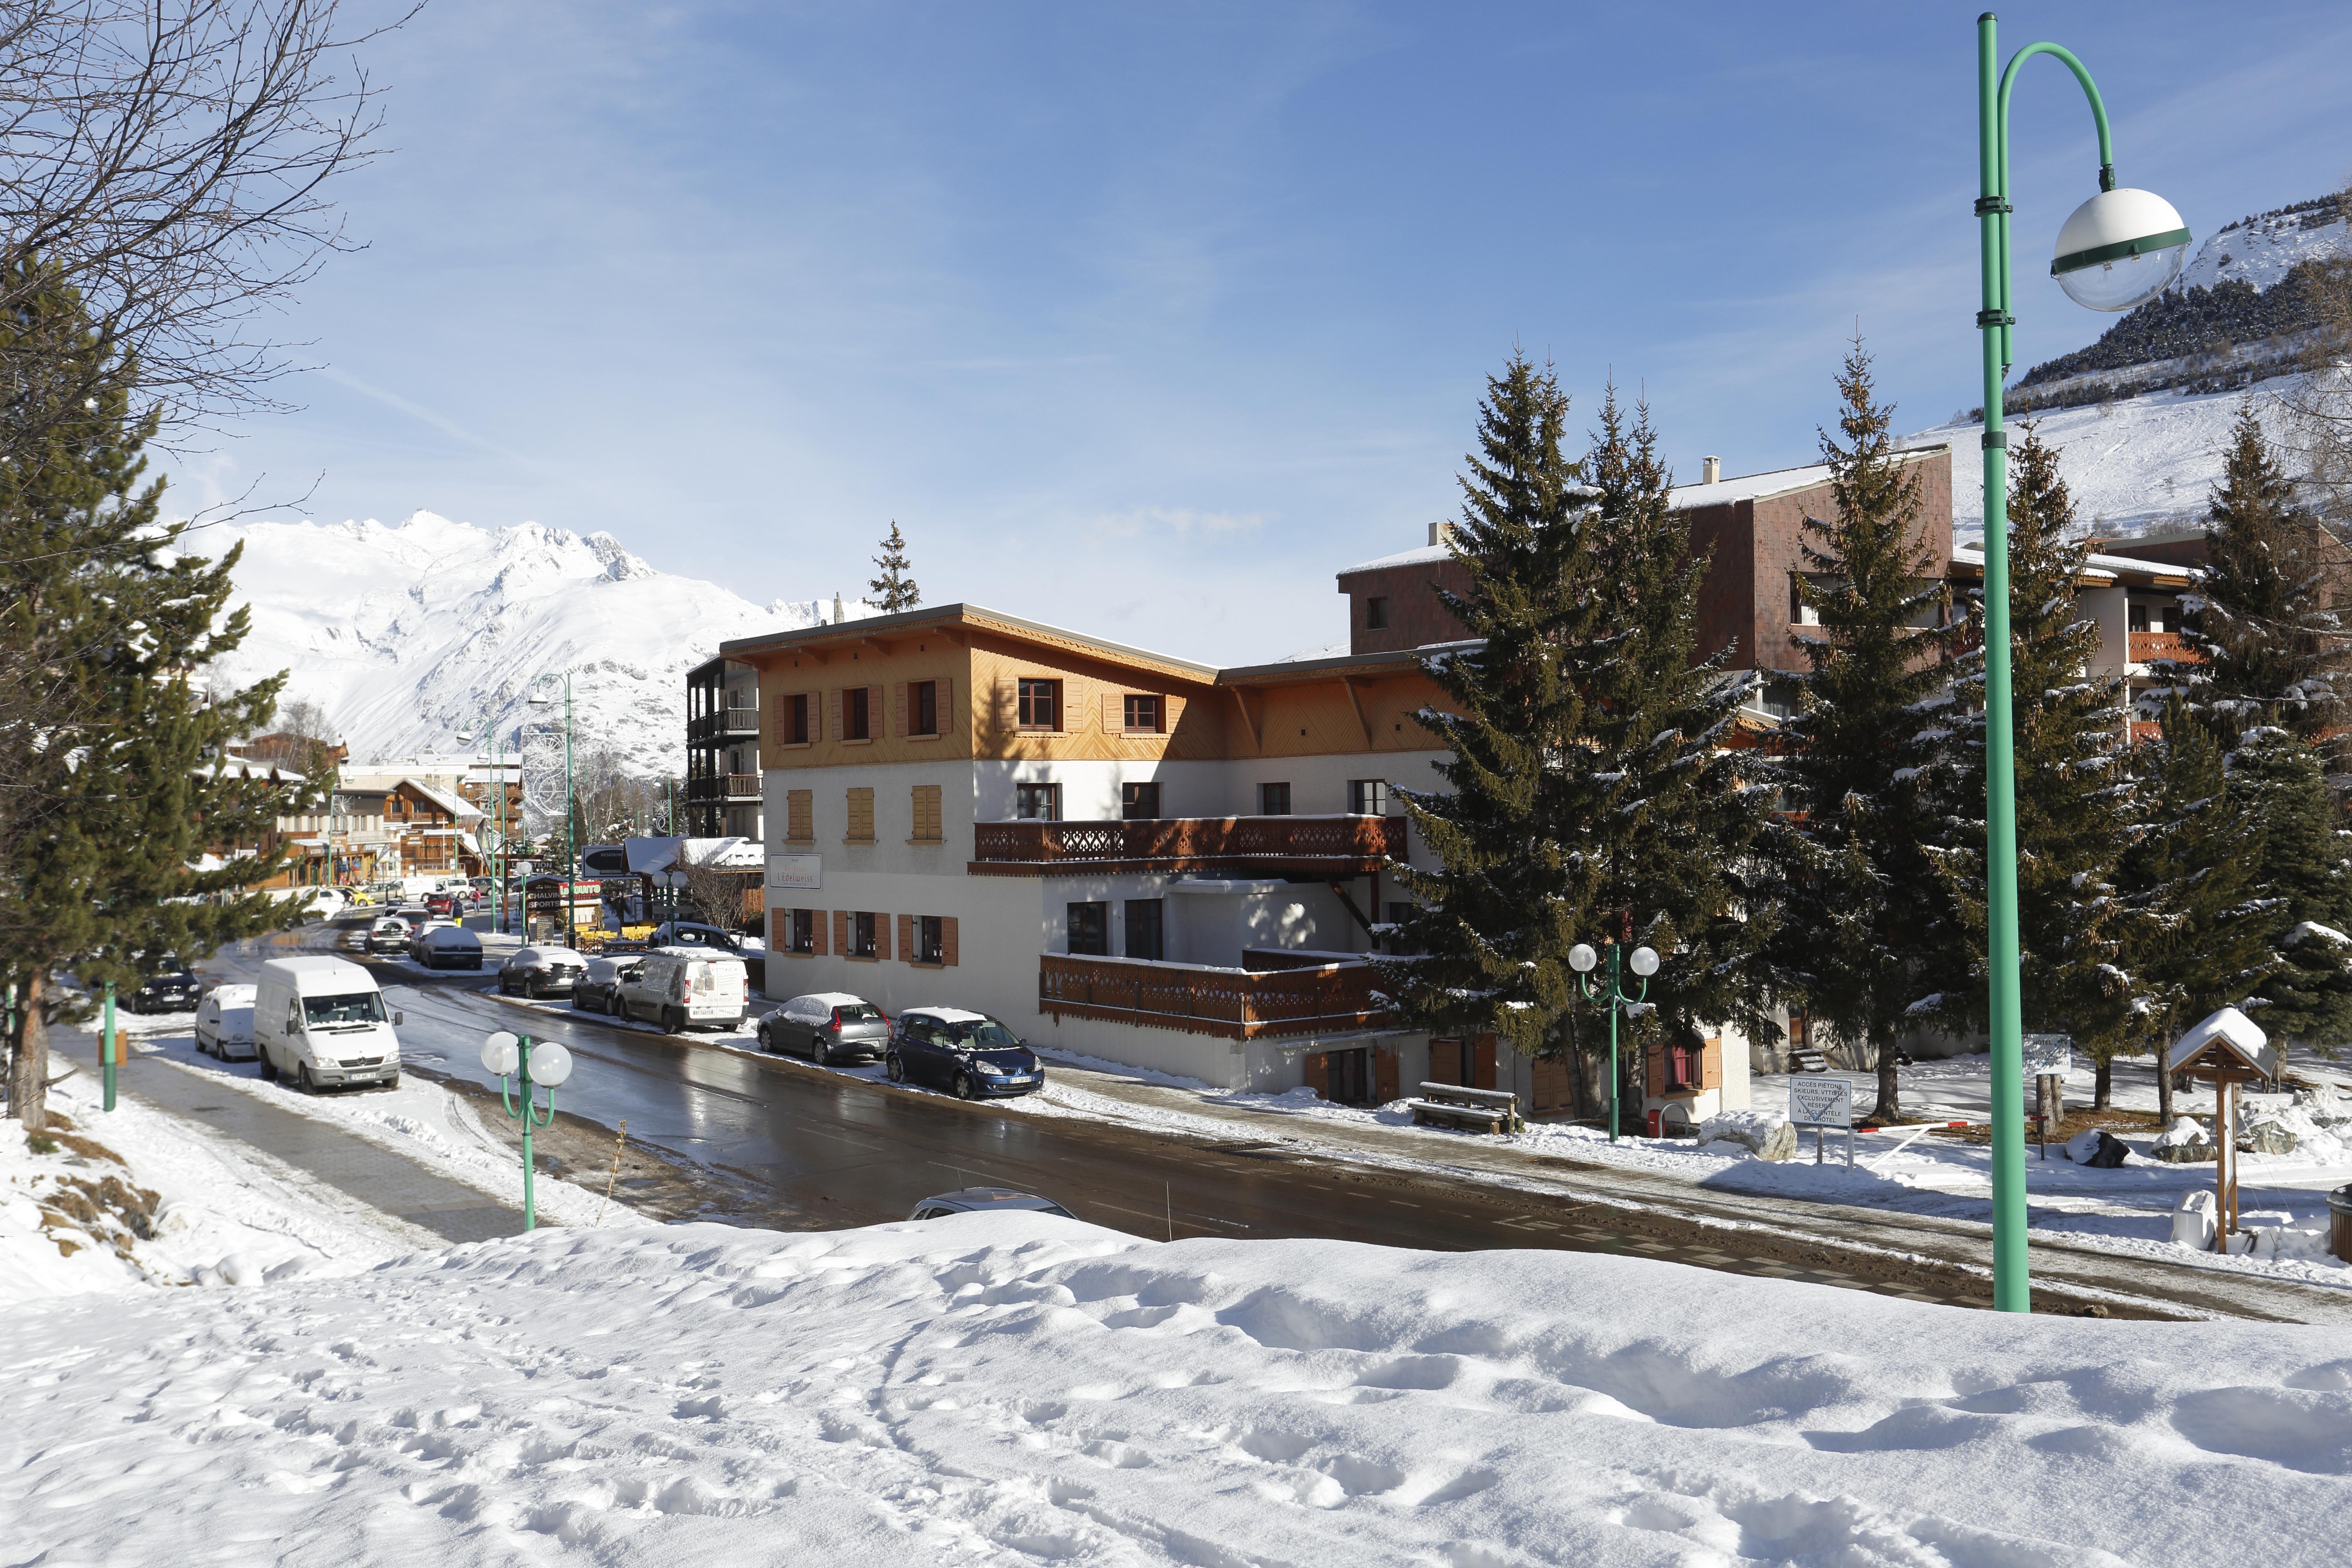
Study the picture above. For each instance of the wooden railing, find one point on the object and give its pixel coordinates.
(722, 787)
(1232, 1004)
(2147, 646)
(1194, 842)
(724, 723)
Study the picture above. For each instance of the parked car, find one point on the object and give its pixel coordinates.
(598, 990)
(969, 1054)
(678, 987)
(350, 931)
(224, 1022)
(322, 1021)
(389, 935)
(418, 930)
(827, 1027)
(541, 972)
(694, 933)
(171, 989)
(986, 1200)
(443, 904)
(449, 947)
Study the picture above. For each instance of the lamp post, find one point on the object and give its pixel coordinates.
(109, 1049)
(1643, 963)
(2119, 249)
(509, 1056)
(497, 833)
(571, 847)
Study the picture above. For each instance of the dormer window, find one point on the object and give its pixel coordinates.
(1376, 613)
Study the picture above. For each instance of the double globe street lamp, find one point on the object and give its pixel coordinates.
(543, 1065)
(2119, 249)
(1643, 963)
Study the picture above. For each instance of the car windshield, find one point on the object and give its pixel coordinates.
(361, 1007)
(856, 1012)
(987, 1035)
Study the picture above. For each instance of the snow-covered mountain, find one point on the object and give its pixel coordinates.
(408, 634)
(2142, 418)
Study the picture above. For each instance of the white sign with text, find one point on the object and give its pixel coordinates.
(1821, 1101)
(805, 872)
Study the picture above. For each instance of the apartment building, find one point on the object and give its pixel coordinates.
(722, 750)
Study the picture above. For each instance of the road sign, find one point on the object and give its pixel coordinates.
(1821, 1101)
(2047, 1054)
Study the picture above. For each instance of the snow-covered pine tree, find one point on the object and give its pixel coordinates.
(2302, 886)
(2269, 645)
(2196, 941)
(1856, 930)
(895, 588)
(120, 796)
(2073, 791)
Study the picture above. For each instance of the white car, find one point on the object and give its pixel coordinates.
(224, 1024)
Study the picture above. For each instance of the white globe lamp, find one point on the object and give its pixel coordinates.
(1643, 962)
(499, 1055)
(550, 1064)
(2120, 249)
(1581, 958)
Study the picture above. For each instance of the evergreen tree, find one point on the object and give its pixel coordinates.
(894, 590)
(121, 796)
(1856, 933)
(2187, 879)
(2073, 793)
(2302, 888)
(2268, 646)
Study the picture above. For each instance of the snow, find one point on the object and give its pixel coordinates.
(407, 634)
(2230, 1027)
(2260, 251)
(1018, 1388)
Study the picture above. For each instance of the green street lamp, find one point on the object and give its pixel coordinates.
(495, 836)
(509, 1056)
(571, 845)
(1643, 963)
(2119, 248)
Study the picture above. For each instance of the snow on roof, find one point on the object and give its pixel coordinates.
(454, 804)
(2237, 1034)
(832, 999)
(657, 853)
(948, 1014)
(2096, 565)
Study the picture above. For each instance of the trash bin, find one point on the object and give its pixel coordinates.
(2339, 1222)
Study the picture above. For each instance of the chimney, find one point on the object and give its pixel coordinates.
(837, 609)
(1710, 470)
(1441, 533)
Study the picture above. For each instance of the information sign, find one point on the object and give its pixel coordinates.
(802, 871)
(2048, 1054)
(1821, 1101)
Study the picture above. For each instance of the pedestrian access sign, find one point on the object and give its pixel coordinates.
(1821, 1103)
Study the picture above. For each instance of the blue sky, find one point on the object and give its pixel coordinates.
(1147, 320)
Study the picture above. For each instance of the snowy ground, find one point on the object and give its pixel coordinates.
(1020, 1389)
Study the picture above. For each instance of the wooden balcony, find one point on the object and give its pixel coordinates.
(721, 725)
(730, 789)
(1230, 1003)
(1253, 846)
(2148, 646)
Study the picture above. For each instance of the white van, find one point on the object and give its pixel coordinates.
(322, 1021)
(678, 986)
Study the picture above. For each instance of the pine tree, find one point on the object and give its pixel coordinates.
(2073, 793)
(2268, 647)
(2302, 887)
(2188, 883)
(1856, 933)
(120, 797)
(894, 590)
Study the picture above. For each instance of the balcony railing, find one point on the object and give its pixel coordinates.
(732, 788)
(724, 724)
(2147, 646)
(1230, 1003)
(1331, 845)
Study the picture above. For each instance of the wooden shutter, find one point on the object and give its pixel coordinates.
(906, 938)
(799, 827)
(1008, 704)
(1319, 1075)
(833, 702)
(1710, 1059)
(898, 709)
(1482, 1062)
(840, 932)
(874, 718)
(861, 814)
(947, 712)
(1114, 713)
(1171, 709)
(882, 935)
(948, 941)
(1384, 1074)
(926, 805)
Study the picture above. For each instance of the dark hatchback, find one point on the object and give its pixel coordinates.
(971, 1055)
(171, 990)
(541, 972)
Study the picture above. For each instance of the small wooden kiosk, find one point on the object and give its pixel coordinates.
(2226, 1049)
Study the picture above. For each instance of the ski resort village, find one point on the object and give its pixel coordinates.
(1256, 788)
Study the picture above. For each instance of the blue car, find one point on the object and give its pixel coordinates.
(971, 1055)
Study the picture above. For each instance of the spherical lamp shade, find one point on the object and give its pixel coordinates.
(550, 1064)
(2120, 249)
(1581, 958)
(499, 1054)
(1642, 962)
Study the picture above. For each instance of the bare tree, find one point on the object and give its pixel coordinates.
(2315, 431)
(722, 895)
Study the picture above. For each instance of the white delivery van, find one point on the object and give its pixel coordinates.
(678, 986)
(322, 1022)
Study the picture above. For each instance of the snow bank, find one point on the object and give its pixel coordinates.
(1018, 1388)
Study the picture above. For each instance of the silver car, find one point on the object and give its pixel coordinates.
(986, 1200)
(827, 1027)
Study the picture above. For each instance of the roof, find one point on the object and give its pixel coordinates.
(2225, 1037)
(659, 854)
(1285, 671)
(2098, 569)
(830, 998)
(441, 800)
(961, 618)
(947, 1014)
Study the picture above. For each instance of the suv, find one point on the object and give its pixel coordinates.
(172, 989)
(541, 972)
(969, 1054)
(599, 989)
(827, 1027)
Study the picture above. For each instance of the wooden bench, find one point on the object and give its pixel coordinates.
(1473, 1110)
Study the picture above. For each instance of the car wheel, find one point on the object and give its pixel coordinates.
(268, 1065)
(894, 1068)
(822, 1055)
(963, 1086)
(302, 1079)
(672, 1021)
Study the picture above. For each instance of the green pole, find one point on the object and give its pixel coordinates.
(110, 1047)
(528, 1114)
(1616, 1077)
(571, 811)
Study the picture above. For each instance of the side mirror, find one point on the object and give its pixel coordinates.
(399, 1020)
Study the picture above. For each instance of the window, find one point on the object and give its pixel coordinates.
(1368, 798)
(927, 708)
(1142, 713)
(1801, 614)
(1274, 800)
(800, 825)
(800, 931)
(1686, 1067)
(1376, 613)
(1038, 802)
(1040, 704)
(857, 713)
(794, 713)
(1090, 930)
(862, 926)
(927, 815)
(1144, 928)
(1139, 801)
(930, 940)
(861, 816)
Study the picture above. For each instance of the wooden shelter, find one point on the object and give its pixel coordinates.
(2226, 1048)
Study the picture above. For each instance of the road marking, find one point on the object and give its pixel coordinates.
(1526, 1222)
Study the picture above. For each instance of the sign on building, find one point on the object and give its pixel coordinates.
(543, 810)
(796, 871)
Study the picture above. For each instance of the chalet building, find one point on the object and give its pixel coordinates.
(433, 829)
(722, 750)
